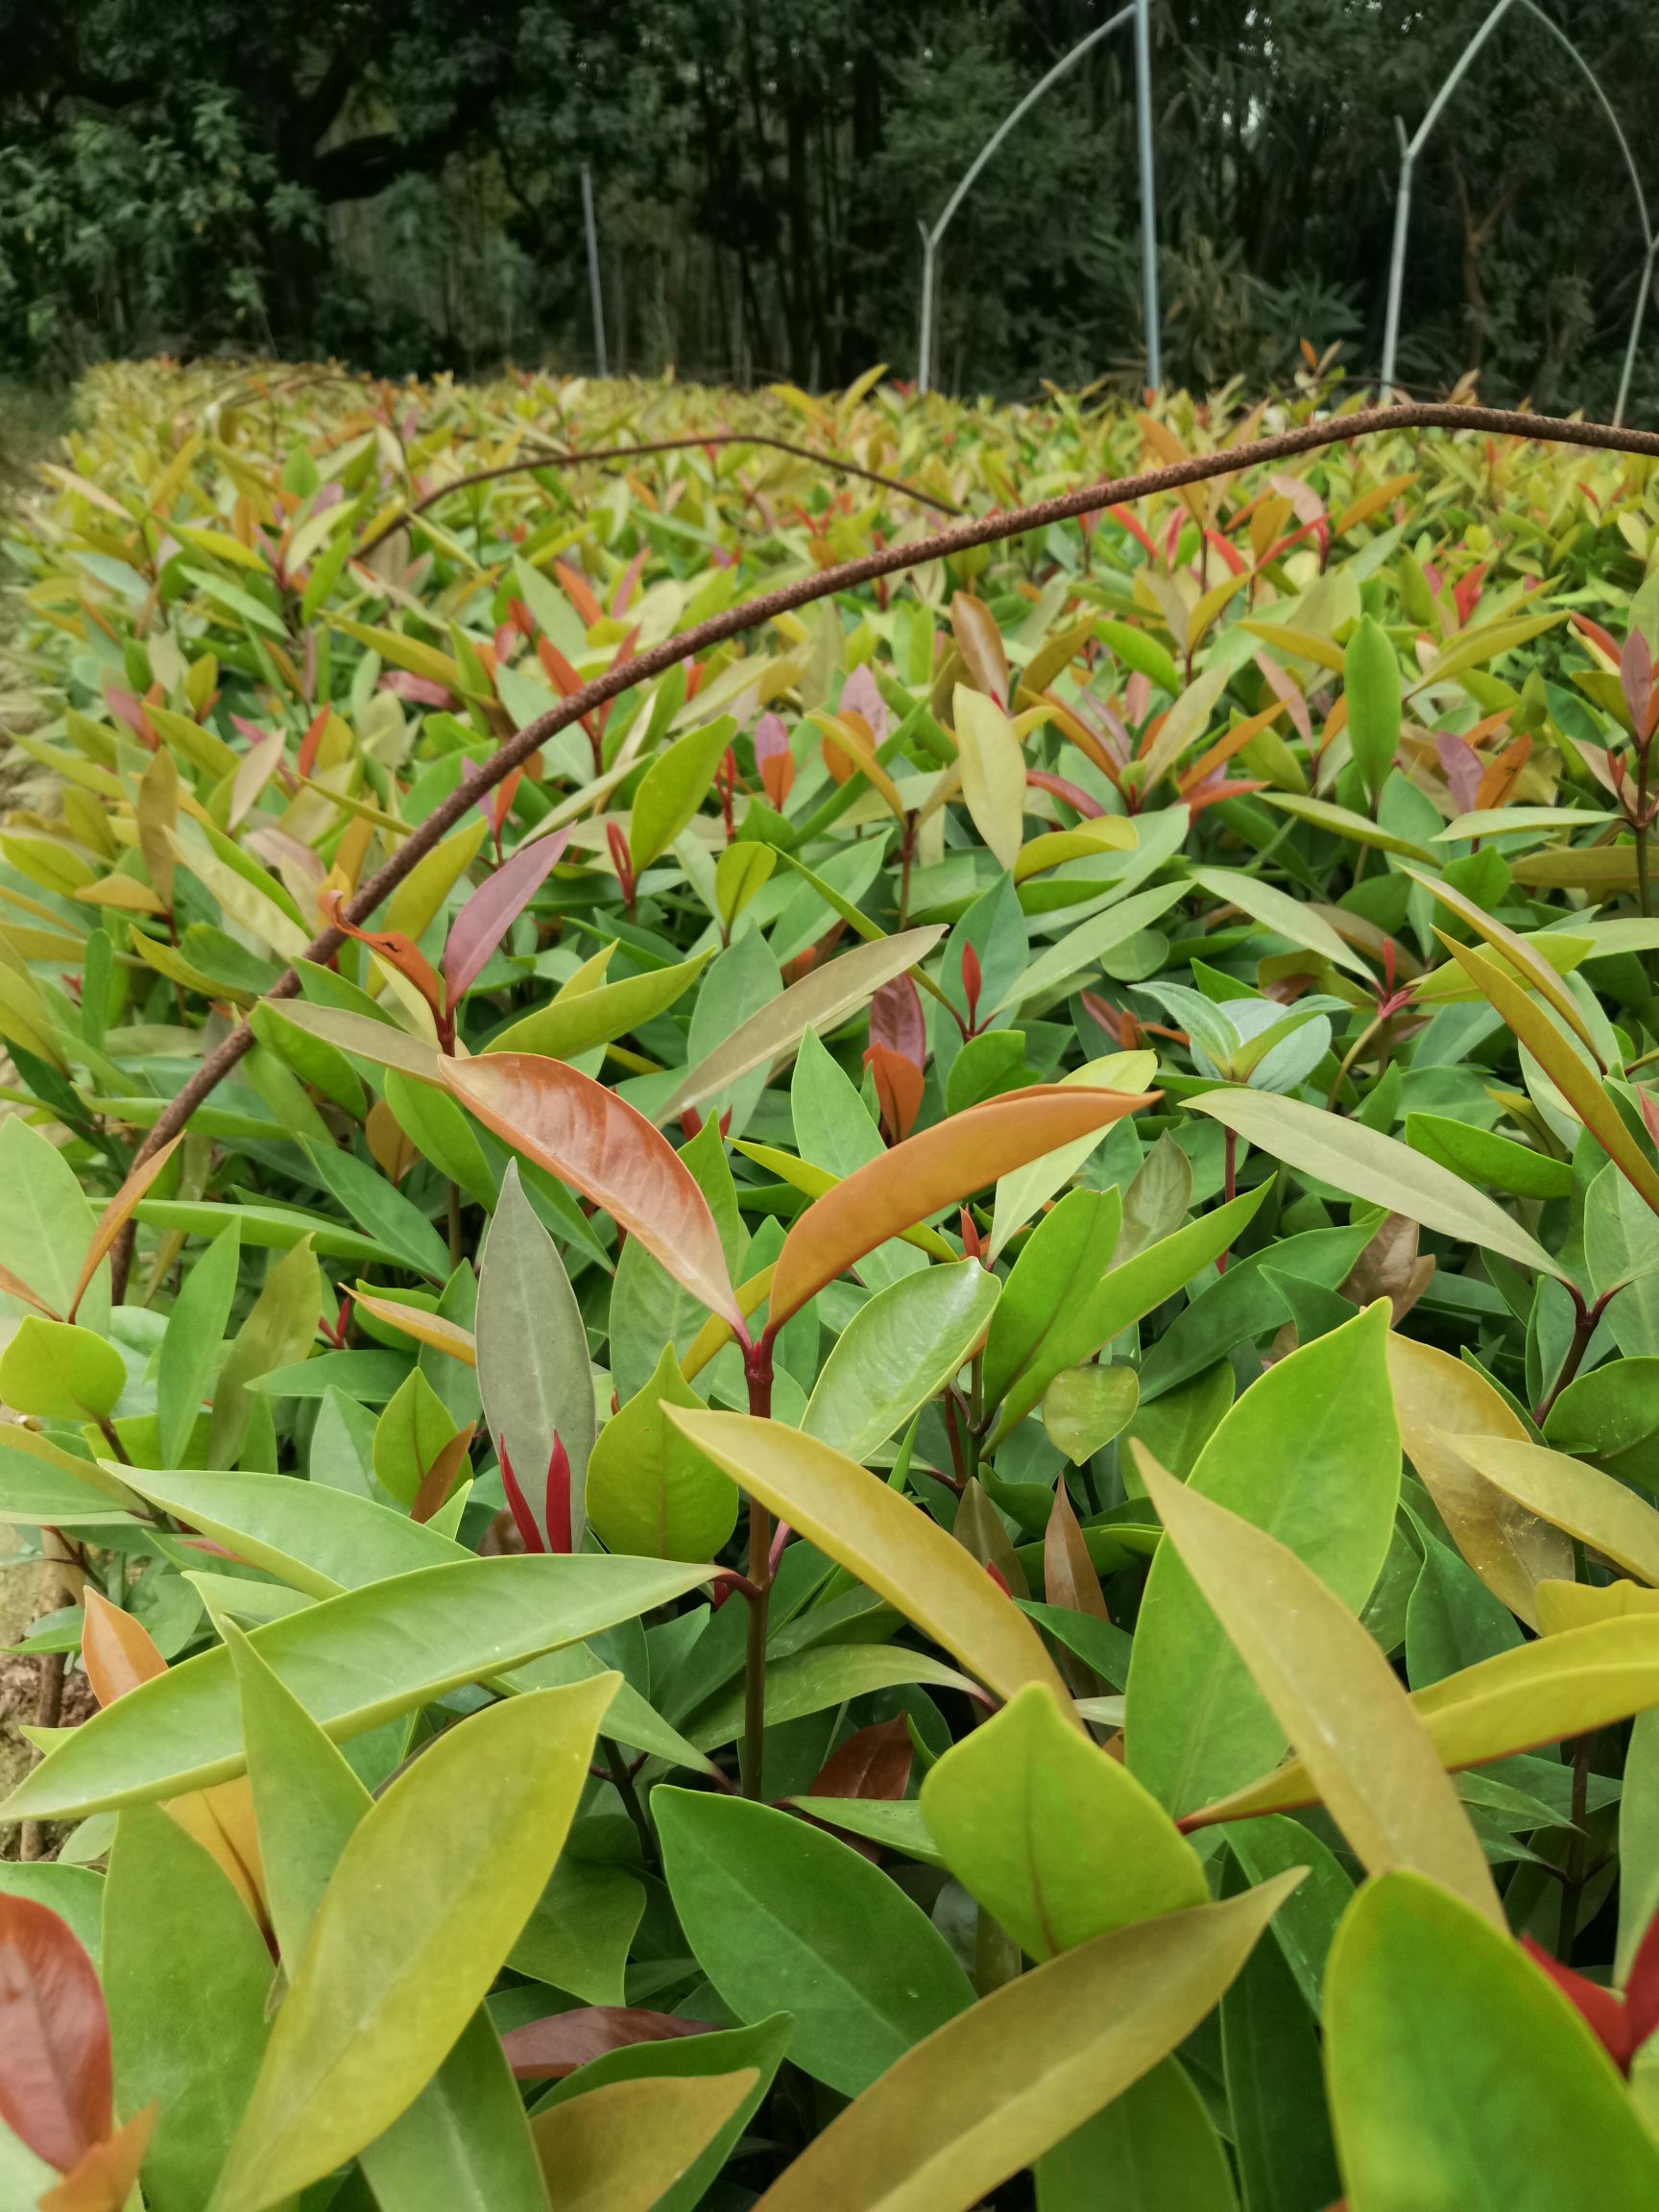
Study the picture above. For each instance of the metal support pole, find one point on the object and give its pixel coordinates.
(1148, 193)
(1017, 114)
(1410, 148)
(1409, 154)
(594, 292)
(924, 345)
(1643, 290)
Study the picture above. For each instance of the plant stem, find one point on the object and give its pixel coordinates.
(996, 1955)
(1584, 1323)
(1577, 1874)
(1229, 1179)
(623, 1782)
(457, 1249)
(758, 1369)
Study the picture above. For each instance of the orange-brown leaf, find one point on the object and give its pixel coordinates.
(595, 1142)
(928, 1173)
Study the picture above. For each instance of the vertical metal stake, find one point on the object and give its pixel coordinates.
(1148, 198)
(925, 344)
(594, 292)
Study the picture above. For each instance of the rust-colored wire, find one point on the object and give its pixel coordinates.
(606, 453)
(846, 576)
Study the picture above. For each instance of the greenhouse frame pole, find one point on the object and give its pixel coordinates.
(1410, 148)
(595, 294)
(1148, 193)
(930, 238)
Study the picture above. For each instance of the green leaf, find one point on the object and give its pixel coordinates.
(382, 1211)
(1121, 1298)
(307, 1799)
(75, 1893)
(1611, 1415)
(1331, 1692)
(673, 788)
(1506, 2105)
(535, 1382)
(352, 1662)
(1378, 1168)
(572, 1025)
(651, 1491)
(1371, 687)
(1085, 1408)
(1482, 1157)
(280, 1328)
(310, 1535)
(1059, 1268)
(1275, 2091)
(56, 1371)
(1153, 2148)
(409, 1435)
(1005, 2082)
(464, 2144)
(784, 1918)
(898, 1351)
(579, 1934)
(45, 1221)
(1051, 1835)
(186, 1975)
(822, 998)
(431, 1890)
(812, 1681)
(191, 1346)
(1311, 1454)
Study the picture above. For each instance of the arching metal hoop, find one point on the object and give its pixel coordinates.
(1410, 148)
(930, 238)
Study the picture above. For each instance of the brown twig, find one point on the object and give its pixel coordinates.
(555, 459)
(847, 576)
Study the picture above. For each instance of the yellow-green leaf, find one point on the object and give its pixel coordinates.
(824, 996)
(1332, 1693)
(995, 2087)
(620, 2146)
(1435, 1397)
(890, 1545)
(1380, 1170)
(1053, 1836)
(1598, 1510)
(1581, 1088)
(430, 1893)
(993, 772)
(573, 1024)
(1565, 1684)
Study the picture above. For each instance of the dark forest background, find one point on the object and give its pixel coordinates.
(397, 182)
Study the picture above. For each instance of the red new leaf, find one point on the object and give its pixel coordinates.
(874, 1763)
(548, 2050)
(897, 1021)
(597, 1142)
(899, 1087)
(55, 2078)
(492, 909)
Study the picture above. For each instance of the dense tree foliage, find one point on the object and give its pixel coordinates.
(398, 181)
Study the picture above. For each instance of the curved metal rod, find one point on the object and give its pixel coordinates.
(846, 576)
(606, 453)
(1017, 114)
(1409, 150)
